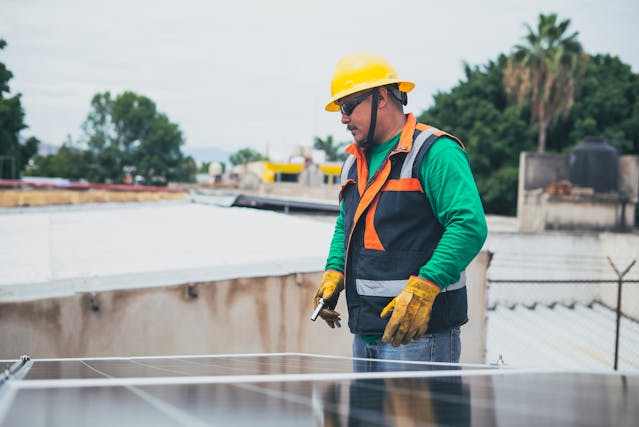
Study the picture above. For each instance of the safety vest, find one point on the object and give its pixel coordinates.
(390, 232)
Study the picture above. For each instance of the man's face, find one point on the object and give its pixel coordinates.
(356, 114)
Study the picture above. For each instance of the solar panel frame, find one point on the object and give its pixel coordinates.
(313, 389)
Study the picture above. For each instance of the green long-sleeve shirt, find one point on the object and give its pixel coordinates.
(450, 188)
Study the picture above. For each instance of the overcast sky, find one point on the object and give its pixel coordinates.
(240, 73)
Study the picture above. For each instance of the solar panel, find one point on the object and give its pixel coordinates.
(291, 389)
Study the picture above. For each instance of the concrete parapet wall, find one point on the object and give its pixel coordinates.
(474, 332)
(269, 314)
(15, 198)
(584, 213)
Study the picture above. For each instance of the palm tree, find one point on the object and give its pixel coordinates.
(548, 68)
(331, 149)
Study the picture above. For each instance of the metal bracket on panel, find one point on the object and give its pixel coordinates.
(93, 302)
(500, 361)
(16, 370)
(191, 290)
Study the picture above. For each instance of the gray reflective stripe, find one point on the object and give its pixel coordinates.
(379, 288)
(460, 284)
(392, 288)
(346, 167)
(407, 168)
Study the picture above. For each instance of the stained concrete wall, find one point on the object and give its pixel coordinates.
(538, 211)
(629, 177)
(536, 171)
(474, 332)
(253, 315)
(542, 169)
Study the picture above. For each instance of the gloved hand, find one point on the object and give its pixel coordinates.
(330, 286)
(411, 311)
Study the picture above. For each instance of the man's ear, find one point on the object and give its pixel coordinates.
(383, 97)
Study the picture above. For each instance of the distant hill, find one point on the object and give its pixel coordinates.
(208, 154)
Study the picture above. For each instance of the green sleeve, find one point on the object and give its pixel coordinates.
(335, 260)
(451, 190)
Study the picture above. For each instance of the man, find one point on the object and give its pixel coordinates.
(410, 222)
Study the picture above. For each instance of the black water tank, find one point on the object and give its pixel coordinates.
(594, 163)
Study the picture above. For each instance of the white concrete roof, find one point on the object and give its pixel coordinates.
(61, 250)
(582, 337)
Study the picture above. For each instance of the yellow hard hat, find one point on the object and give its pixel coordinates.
(361, 71)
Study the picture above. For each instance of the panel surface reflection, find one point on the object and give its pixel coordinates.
(566, 399)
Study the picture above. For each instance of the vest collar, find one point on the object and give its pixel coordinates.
(405, 141)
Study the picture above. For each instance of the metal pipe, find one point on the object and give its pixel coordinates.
(619, 283)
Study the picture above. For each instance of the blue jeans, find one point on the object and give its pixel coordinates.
(437, 347)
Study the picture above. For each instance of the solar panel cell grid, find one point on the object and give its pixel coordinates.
(213, 366)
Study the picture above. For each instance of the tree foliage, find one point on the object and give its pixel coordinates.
(495, 132)
(545, 71)
(129, 131)
(246, 155)
(14, 155)
(334, 151)
(608, 106)
(69, 162)
(124, 133)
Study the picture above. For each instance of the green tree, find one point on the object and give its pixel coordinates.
(608, 106)
(493, 132)
(14, 155)
(333, 151)
(204, 167)
(246, 155)
(128, 131)
(69, 162)
(546, 71)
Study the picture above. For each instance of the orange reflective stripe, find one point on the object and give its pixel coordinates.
(409, 184)
(405, 143)
(424, 127)
(370, 193)
(371, 238)
(440, 133)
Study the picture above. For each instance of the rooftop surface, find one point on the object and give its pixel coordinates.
(567, 337)
(60, 250)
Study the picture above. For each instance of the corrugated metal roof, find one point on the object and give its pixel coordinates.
(571, 337)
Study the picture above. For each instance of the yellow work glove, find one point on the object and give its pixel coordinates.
(411, 311)
(330, 286)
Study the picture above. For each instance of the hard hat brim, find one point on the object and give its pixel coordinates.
(404, 86)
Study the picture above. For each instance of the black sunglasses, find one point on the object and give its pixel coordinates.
(347, 108)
